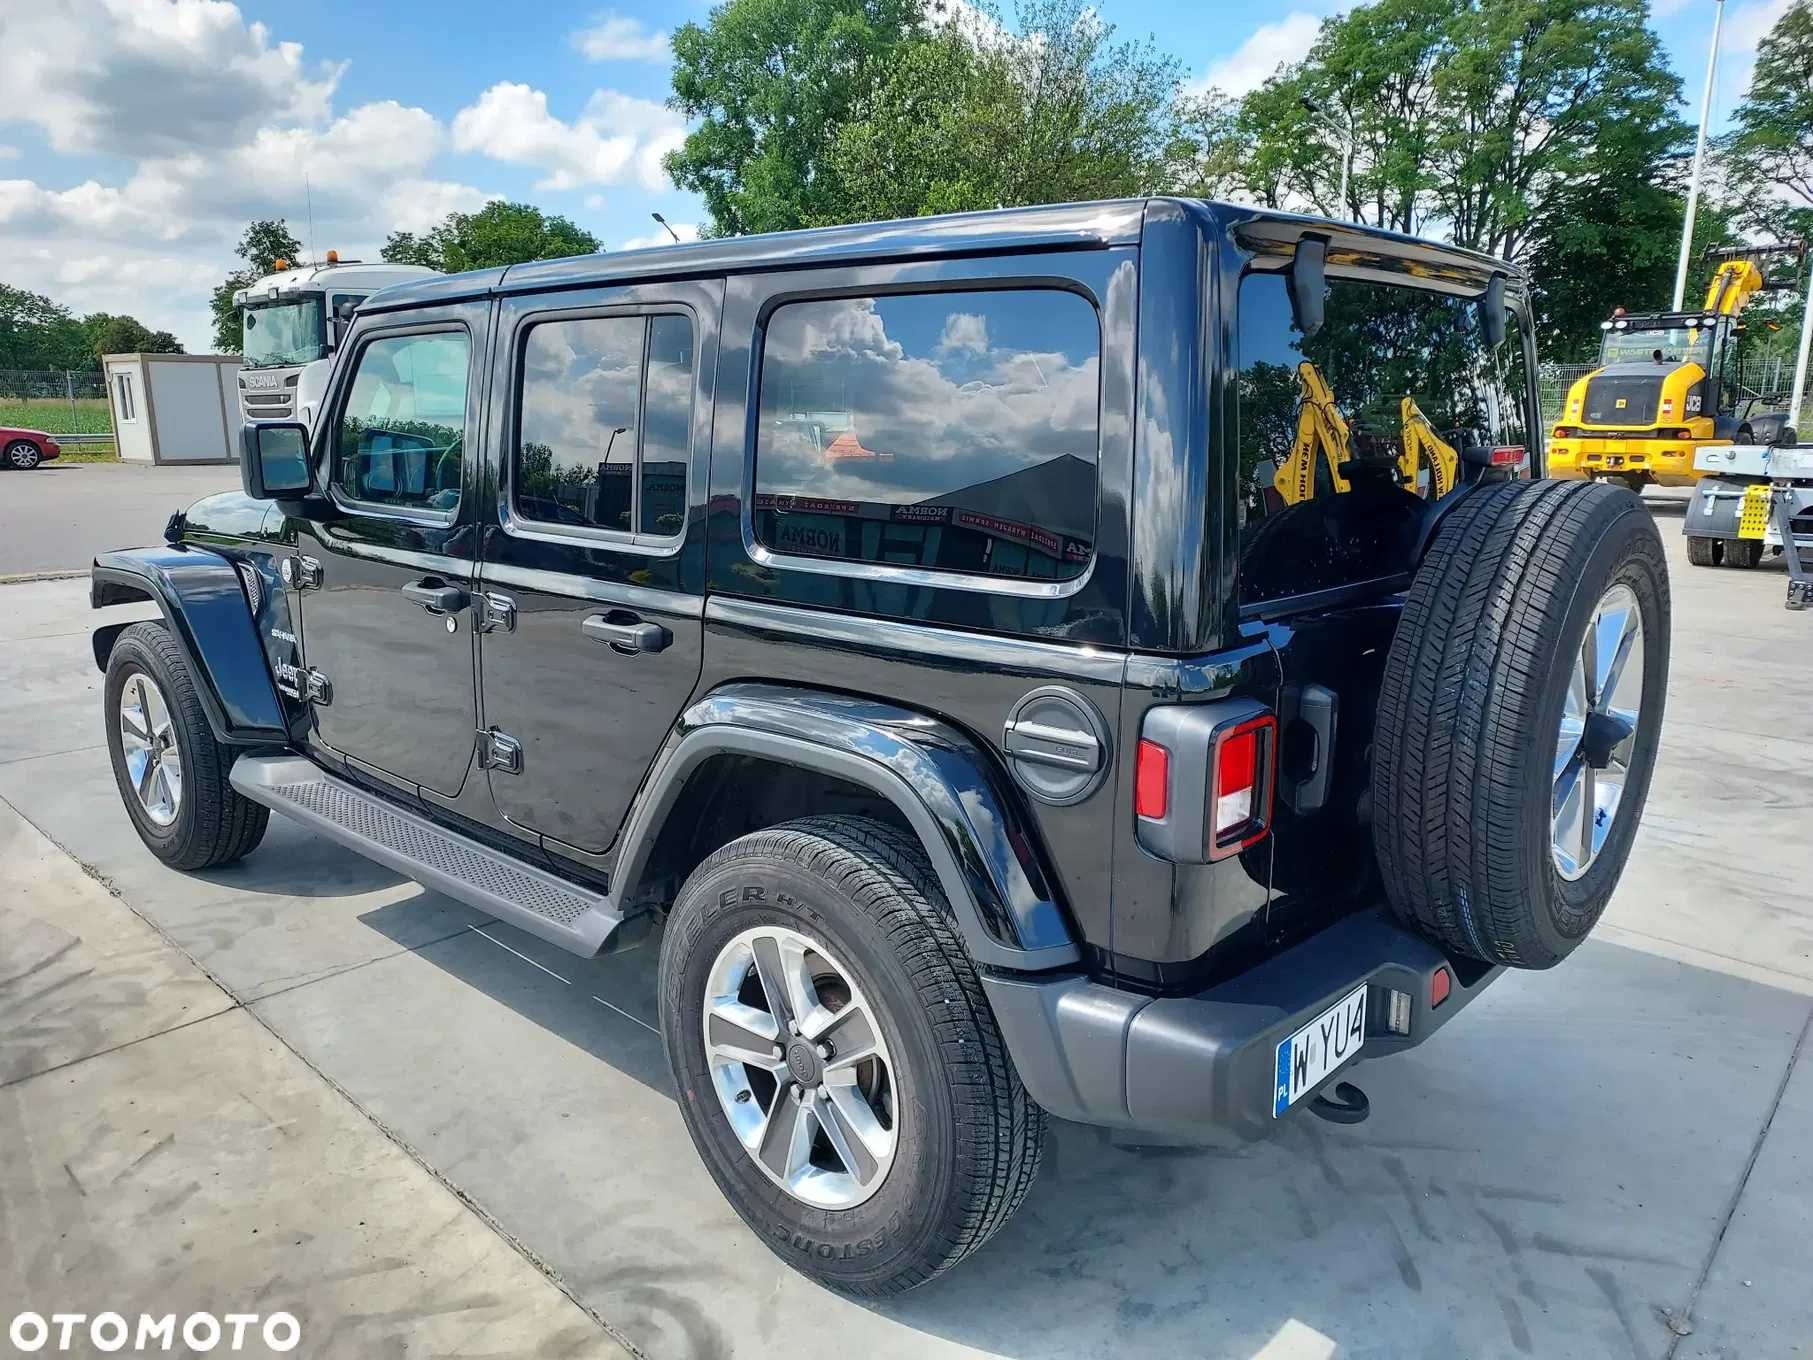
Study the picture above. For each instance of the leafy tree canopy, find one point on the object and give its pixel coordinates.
(1769, 152)
(497, 234)
(37, 333)
(264, 243)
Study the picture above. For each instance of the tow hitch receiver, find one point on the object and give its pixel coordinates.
(1348, 1105)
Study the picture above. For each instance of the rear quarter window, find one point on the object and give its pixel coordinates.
(956, 430)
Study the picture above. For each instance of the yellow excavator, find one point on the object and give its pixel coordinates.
(1667, 383)
(1427, 464)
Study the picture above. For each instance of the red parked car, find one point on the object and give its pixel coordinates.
(25, 449)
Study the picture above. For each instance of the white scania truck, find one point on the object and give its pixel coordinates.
(293, 321)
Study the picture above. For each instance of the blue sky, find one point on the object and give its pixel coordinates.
(138, 136)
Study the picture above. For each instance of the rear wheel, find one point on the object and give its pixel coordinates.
(1519, 716)
(839, 1069)
(171, 772)
(1744, 552)
(23, 455)
(1705, 552)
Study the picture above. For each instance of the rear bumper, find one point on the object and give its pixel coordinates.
(1206, 1064)
(1669, 462)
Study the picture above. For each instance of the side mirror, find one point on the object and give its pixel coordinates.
(273, 460)
(343, 318)
(1308, 283)
(1492, 319)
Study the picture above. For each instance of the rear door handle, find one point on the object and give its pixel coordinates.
(634, 636)
(435, 597)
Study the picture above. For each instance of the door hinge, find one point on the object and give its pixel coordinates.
(499, 751)
(300, 573)
(309, 685)
(495, 613)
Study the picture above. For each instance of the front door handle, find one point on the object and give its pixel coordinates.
(635, 636)
(435, 597)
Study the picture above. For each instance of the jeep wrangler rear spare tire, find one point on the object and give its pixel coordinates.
(1518, 718)
(838, 1066)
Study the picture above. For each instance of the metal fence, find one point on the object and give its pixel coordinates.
(60, 401)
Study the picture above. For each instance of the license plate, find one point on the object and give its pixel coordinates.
(1308, 1056)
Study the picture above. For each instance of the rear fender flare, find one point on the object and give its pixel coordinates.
(930, 771)
(205, 608)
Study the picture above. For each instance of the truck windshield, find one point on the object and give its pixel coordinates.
(1343, 435)
(287, 332)
(1667, 344)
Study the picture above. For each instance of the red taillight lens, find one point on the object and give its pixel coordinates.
(1683, 434)
(1441, 982)
(1508, 455)
(1240, 803)
(1565, 432)
(1152, 781)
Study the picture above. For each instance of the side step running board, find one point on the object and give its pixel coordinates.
(559, 912)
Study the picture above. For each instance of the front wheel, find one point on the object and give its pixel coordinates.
(171, 772)
(838, 1066)
(23, 455)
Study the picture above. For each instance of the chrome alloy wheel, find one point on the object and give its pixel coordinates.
(22, 455)
(800, 1067)
(1598, 732)
(148, 742)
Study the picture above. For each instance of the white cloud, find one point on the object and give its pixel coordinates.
(686, 231)
(1746, 25)
(616, 37)
(138, 77)
(1257, 59)
(8, 153)
(964, 333)
(616, 138)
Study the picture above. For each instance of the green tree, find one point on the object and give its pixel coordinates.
(38, 333)
(263, 243)
(106, 334)
(1769, 152)
(497, 234)
(771, 82)
(979, 116)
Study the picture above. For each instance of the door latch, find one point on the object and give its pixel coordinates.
(495, 613)
(499, 751)
(300, 573)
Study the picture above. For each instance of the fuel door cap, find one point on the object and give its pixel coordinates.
(1057, 745)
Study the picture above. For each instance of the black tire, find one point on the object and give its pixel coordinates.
(969, 1138)
(21, 456)
(214, 823)
(1744, 553)
(1705, 552)
(1471, 704)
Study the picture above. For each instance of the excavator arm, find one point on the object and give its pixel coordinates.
(1322, 435)
(1423, 445)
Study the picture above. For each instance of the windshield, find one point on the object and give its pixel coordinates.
(288, 332)
(1670, 345)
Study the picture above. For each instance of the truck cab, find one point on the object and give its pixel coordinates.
(293, 321)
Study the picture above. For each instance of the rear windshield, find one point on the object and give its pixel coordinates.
(1343, 435)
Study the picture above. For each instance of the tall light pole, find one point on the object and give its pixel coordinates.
(1344, 136)
(1699, 157)
(1800, 365)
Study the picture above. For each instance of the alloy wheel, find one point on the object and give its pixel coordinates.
(154, 762)
(1598, 731)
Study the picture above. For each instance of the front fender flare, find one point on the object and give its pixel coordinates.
(205, 608)
(978, 842)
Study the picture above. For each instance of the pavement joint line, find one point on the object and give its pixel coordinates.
(625, 1014)
(1803, 979)
(47, 755)
(123, 1044)
(20, 578)
(342, 971)
(1743, 1180)
(519, 954)
(484, 1216)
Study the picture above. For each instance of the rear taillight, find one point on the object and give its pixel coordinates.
(1509, 456)
(1241, 798)
(1565, 432)
(1203, 779)
(1683, 434)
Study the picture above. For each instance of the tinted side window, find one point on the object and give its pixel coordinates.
(401, 438)
(950, 430)
(594, 447)
(1340, 433)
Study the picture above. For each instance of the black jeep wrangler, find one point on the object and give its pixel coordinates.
(1107, 661)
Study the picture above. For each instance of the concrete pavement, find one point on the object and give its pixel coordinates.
(58, 517)
(1607, 1159)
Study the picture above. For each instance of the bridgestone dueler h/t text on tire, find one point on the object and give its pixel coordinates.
(1519, 717)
